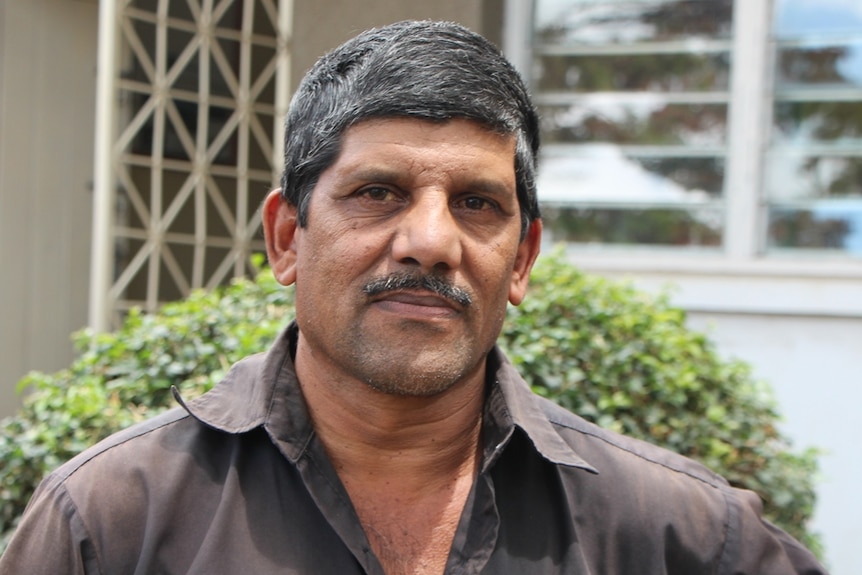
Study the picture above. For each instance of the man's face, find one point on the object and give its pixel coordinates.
(409, 256)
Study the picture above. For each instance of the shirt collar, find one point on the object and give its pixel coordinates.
(262, 390)
(512, 405)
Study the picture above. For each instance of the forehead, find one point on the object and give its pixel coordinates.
(457, 146)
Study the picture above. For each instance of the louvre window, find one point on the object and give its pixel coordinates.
(681, 124)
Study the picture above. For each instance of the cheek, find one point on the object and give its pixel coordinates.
(352, 253)
(494, 275)
(334, 265)
(498, 261)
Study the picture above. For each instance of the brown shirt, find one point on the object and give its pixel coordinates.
(239, 483)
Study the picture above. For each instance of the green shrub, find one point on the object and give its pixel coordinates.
(604, 350)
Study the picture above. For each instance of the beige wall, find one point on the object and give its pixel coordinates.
(321, 25)
(47, 90)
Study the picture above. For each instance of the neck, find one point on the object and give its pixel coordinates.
(368, 433)
(407, 463)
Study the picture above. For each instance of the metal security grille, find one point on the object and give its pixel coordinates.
(192, 93)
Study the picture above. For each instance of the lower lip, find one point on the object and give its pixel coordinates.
(404, 309)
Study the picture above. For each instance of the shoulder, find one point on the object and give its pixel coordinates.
(642, 490)
(102, 491)
(610, 451)
(133, 468)
(143, 439)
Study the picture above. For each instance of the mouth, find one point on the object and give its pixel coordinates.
(425, 305)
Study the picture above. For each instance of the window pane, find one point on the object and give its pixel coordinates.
(633, 97)
(657, 227)
(697, 175)
(800, 176)
(835, 226)
(633, 72)
(806, 17)
(646, 121)
(835, 65)
(603, 173)
(625, 21)
(814, 169)
(809, 122)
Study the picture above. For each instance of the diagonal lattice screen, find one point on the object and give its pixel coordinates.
(196, 143)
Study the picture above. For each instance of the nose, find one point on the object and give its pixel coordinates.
(428, 234)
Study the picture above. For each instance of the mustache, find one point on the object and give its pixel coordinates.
(409, 280)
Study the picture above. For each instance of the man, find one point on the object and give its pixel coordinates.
(384, 432)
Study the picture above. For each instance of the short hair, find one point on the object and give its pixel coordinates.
(434, 71)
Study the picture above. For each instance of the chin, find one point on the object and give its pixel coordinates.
(423, 380)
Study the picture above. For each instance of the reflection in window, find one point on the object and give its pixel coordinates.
(601, 174)
(814, 166)
(827, 64)
(817, 17)
(652, 226)
(626, 21)
(634, 99)
(820, 121)
(835, 227)
(645, 122)
(806, 176)
(633, 72)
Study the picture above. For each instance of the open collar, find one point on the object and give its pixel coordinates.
(262, 390)
(512, 405)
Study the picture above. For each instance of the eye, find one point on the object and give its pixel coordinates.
(377, 194)
(477, 203)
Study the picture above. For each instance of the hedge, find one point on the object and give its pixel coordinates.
(608, 352)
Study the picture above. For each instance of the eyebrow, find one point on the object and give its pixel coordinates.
(493, 188)
(487, 186)
(371, 174)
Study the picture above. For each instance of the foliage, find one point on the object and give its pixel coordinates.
(602, 349)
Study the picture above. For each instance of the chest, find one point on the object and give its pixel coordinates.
(411, 536)
(262, 514)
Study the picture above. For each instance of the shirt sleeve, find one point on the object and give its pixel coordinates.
(51, 537)
(755, 546)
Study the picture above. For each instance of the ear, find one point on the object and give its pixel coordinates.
(280, 225)
(528, 251)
